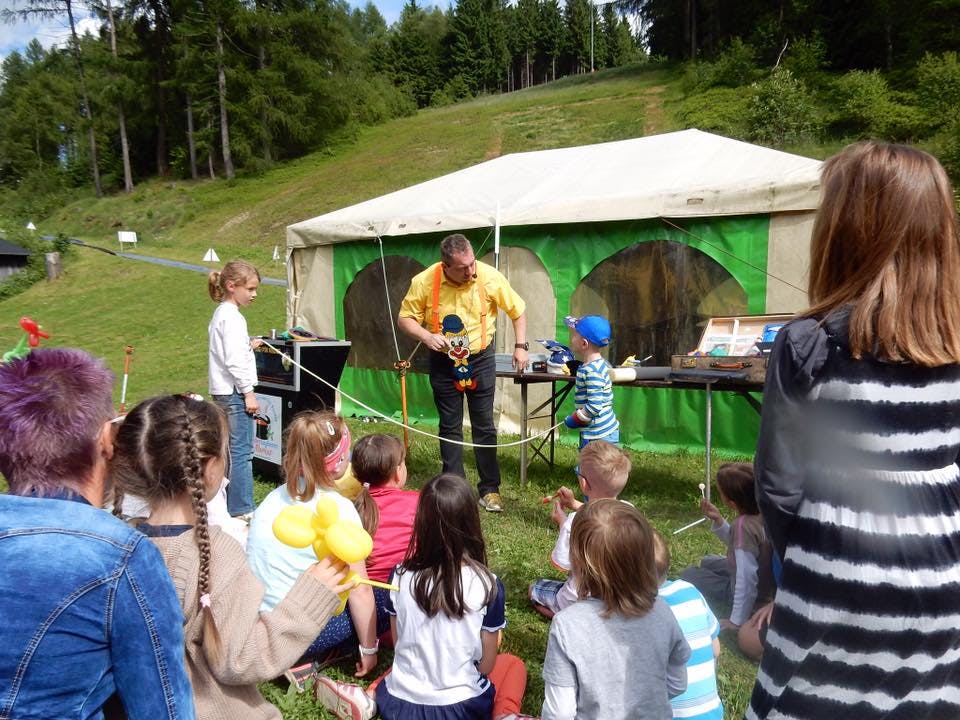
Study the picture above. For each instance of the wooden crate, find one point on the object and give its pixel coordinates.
(738, 337)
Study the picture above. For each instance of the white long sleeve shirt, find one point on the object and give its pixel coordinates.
(232, 365)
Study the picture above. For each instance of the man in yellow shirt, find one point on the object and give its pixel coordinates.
(451, 307)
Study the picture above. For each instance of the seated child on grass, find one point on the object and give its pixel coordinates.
(618, 652)
(446, 618)
(316, 454)
(386, 509)
(742, 579)
(603, 473)
(171, 451)
(700, 700)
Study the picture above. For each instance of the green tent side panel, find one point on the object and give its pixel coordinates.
(651, 418)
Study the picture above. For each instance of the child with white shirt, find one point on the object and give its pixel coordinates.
(603, 472)
(233, 373)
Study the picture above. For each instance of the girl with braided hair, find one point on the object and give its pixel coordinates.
(170, 450)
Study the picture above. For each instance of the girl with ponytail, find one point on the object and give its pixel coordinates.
(171, 451)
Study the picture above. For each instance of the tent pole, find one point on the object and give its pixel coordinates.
(496, 238)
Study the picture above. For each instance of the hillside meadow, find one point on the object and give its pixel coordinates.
(104, 303)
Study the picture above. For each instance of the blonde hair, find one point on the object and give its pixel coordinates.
(161, 453)
(885, 244)
(612, 558)
(235, 271)
(612, 465)
(311, 436)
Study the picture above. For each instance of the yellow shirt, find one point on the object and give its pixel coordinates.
(463, 300)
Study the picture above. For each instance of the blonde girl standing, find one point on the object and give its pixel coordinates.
(170, 451)
(233, 373)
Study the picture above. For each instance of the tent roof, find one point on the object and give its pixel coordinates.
(681, 174)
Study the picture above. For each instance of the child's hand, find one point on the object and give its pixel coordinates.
(332, 573)
(725, 624)
(761, 617)
(558, 515)
(710, 511)
(365, 664)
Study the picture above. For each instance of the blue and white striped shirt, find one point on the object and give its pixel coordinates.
(700, 627)
(593, 394)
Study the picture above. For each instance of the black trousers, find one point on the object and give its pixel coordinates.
(449, 402)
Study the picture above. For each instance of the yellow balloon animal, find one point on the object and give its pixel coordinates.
(300, 526)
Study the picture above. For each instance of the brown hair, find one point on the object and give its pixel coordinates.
(446, 537)
(612, 465)
(736, 484)
(161, 452)
(611, 557)
(375, 460)
(311, 436)
(885, 244)
(235, 271)
(661, 556)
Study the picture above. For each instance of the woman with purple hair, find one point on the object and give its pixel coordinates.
(88, 609)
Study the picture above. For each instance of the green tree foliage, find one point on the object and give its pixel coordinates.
(416, 51)
(867, 108)
(781, 110)
(551, 36)
(576, 16)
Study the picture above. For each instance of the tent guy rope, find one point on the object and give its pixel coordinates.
(406, 426)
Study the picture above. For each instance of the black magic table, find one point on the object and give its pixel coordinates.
(562, 385)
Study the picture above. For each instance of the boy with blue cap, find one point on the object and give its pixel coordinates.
(593, 391)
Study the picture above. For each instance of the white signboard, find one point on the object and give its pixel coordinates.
(267, 435)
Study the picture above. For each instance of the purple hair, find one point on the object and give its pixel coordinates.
(54, 401)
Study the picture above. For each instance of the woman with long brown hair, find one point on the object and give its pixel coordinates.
(856, 464)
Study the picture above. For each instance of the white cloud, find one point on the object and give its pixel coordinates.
(56, 31)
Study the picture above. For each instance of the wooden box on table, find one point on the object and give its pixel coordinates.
(740, 338)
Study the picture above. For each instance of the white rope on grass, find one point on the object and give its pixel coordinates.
(403, 425)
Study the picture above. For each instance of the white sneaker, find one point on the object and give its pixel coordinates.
(345, 700)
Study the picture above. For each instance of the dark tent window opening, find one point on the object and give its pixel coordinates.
(658, 297)
(367, 319)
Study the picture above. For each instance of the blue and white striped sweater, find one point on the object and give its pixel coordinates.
(593, 394)
(699, 626)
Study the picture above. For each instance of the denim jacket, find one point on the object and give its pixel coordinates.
(87, 610)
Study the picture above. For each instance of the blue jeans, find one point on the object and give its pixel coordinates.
(240, 469)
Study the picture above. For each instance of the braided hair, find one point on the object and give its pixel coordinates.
(160, 454)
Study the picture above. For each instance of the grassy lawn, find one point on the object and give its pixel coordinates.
(104, 303)
(520, 539)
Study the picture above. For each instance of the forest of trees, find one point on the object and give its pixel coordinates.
(207, 88)
(195, 88)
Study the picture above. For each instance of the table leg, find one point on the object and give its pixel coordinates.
(708, 438)
(523, 434)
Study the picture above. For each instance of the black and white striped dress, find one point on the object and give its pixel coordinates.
(858, 483)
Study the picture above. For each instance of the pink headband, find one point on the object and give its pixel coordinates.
(340, 452)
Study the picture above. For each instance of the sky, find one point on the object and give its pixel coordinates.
(49, 32)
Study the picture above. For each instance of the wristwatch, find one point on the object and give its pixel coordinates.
(522, 346)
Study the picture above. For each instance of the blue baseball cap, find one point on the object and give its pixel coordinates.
(595, 329)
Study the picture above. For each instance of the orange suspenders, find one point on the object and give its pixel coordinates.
(435, 312)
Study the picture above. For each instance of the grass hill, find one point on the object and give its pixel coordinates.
(104, 303)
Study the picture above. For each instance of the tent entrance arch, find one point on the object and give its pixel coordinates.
(657, 295)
